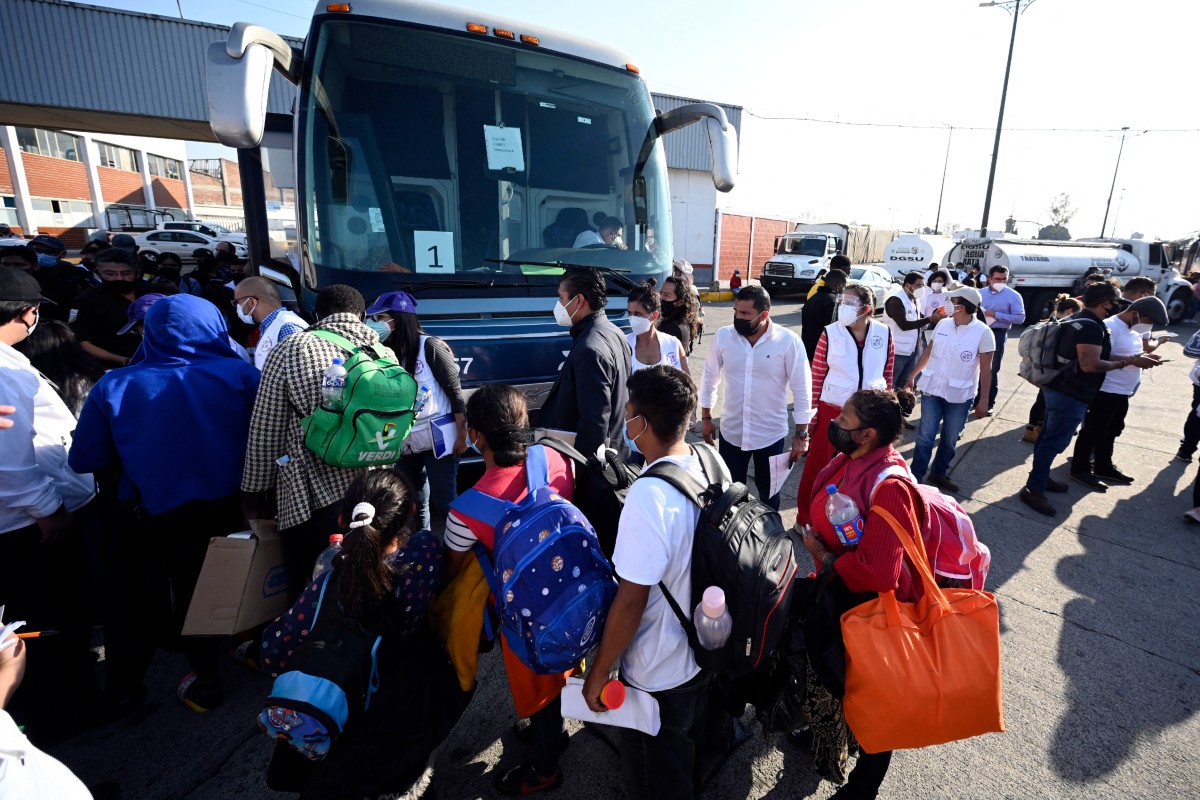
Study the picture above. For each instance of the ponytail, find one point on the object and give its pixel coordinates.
(377, 511)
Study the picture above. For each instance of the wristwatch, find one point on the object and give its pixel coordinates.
(802, 433)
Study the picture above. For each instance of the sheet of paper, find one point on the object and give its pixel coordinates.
(779, 471)
(7, 639)
(504, 149)
(434, 251)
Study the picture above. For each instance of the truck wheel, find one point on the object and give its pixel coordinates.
(1039, 305)
(1177, 306)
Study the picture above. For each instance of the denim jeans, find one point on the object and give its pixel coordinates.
(952, 417)
(1001, 337)
(902, 367)
(738, 461)
(1063, 415)
(436, 482)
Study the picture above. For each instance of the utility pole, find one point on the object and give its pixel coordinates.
(987, 200)
(1108, 205)
(941, 192)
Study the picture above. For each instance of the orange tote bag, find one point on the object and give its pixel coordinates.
(922, 673)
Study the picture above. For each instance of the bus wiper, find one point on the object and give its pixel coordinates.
(423, 285)
(617, 275)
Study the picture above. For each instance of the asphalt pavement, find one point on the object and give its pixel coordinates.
(1100, 638)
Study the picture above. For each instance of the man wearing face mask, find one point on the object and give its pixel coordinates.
(1105, 418)
(1085, 351)
(1002, 308)
(590, 392)
(101, 313)
(905, 320)
(758, 362)
(61, 281)
(958, 358)
(256, 301)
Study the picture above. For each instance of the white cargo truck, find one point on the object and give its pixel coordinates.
(802, 255)
(1040, 270)
(914, 252)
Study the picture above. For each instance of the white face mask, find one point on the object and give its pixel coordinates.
(936, 286)
(245, 317)
(37, 317)
(639, 325)
(848, 315)
(561, 315)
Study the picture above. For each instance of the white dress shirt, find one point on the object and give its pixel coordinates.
(754, 405)
(1125, 342)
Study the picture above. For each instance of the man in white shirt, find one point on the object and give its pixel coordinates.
(654, 546)
(607, 236)
(43, 567)
(958, 357)
(758, 362)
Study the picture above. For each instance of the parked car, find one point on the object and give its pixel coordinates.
(218, 232)
(182, 244)
(875, 277)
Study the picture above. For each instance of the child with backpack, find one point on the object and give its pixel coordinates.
(364, 692)
(653, 552)
(497, 424)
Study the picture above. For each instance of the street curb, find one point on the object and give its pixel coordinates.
(716, 297)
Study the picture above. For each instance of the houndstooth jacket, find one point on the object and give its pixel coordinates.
(289, 391)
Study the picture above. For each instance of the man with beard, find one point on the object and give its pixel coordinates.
(101, 313)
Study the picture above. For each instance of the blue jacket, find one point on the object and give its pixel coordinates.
(176, 420)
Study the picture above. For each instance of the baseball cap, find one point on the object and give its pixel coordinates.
(124, 241)
(968, 293)
(49, 242)
(394, 301)
(202, 252)
(19, 286)
(682, 265)
(1150, 308)
(137, 311)
(20, 251)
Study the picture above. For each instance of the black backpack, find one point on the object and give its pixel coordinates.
(741, 545)
(600, 489)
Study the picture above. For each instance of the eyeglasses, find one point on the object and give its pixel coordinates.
(125, 273)
(237, 301)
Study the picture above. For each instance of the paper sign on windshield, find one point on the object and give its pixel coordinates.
(434, 251)
(503, 148)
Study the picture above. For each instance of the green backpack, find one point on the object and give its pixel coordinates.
(377, 411)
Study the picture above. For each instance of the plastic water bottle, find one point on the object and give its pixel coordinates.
(422, 399)
(325, 560)
(333, 386)
(712, 620)
(844, 516)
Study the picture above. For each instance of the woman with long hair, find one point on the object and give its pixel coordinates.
(393, 316)
(54, 351)
(680, 312)
(382, 581)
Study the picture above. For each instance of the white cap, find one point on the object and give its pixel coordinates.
(713, 602)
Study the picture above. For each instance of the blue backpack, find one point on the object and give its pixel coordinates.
(552, 583)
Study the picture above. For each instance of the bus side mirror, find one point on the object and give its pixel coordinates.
(722, 138)
(238, 74)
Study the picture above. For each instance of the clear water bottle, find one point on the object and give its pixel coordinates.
(325, 560)
(843, 515)
(712, 620)
(422, 399)
(333, 386)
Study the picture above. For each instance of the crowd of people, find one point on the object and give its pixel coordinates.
(151, 410)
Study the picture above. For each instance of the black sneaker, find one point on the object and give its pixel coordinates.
(943, 483)
(523, 779)
(1112, 475)
(1037, 502)
(1056, 486)
(1089, 480)
(1183, 456)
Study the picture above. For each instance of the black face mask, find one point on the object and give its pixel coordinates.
(746, 327)
(841, 438)
(668, 307)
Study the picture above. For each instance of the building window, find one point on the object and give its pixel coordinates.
(55, 144)
(163, 167)
(117, 157)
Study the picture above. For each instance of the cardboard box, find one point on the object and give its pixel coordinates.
(243, 583)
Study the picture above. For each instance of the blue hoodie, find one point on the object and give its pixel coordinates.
(176, 420)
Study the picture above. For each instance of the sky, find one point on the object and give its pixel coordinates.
(1082, 70)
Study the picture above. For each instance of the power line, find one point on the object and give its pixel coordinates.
(860, 124)
(276, 10)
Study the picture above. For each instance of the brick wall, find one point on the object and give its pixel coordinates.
(233, 182)
(6, 184)
(169, 193)
(120, 186)
(56, 178)
(746, 244)
(207, 190)
(73, 238)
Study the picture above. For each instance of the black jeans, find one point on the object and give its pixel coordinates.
(664, 767)
(303, 543)
(1037, 412)
(738, 461)
(1103, 424)
(546, 727)
(47, 586)
(1001, 337)
(868, 774)
(1191, 426)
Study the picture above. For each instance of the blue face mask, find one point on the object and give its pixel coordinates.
(632, 443)
(47, 260)
(381, 328)
(471, 444)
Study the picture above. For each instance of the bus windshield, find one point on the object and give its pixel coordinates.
(811, 246)
(452, 165)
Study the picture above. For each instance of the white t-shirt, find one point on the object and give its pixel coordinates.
(26, 773)
(588, 239)
(654, 543)
(1125, 342)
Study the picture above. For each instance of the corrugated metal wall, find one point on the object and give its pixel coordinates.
(688, 148)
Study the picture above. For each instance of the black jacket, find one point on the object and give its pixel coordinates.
(816, 314)
(589, 396)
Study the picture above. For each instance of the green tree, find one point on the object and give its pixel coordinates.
(1060, 213)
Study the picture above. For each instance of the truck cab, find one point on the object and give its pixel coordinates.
(1155, 259)
(801, 258)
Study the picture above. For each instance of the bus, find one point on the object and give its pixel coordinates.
(459, 156)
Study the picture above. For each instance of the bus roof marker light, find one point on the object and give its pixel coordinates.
(633, 68)
(338, 8)
(533, 40)
(475, 27)
(503, 34)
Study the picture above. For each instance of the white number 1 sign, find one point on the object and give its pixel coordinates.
(434, 251)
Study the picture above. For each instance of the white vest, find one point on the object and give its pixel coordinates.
(906, 341)
(437, 404)
(841, 354)
(270, 337)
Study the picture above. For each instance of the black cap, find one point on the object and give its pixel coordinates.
(21, 251)
(124, 241)
(17, 285)
(49, 242)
